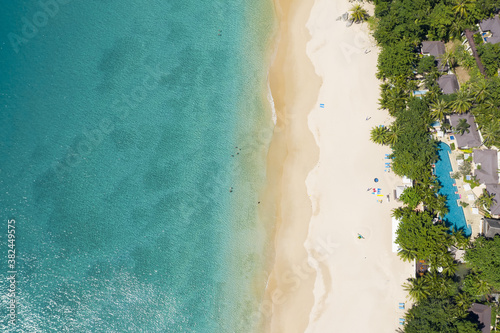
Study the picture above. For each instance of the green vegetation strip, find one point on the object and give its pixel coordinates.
(442, 297)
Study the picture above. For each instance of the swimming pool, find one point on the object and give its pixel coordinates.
(419, 93)
(455, 217)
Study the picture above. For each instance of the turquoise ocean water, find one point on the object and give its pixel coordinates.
(134, 210)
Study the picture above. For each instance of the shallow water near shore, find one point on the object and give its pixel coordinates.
(133, 146)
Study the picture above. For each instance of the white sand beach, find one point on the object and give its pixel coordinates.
(354, 284)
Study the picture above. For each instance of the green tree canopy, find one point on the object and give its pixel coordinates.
(490, 57)
(426, 64)
(411, 197)
(397, 60)
(474, 286)
(462, 102)
(418, 234)
(438, 315)
(484, 259)
(414, 150)
(439, 109)
(402, 20)
(440, 20)
(393, 96)
(491, 133)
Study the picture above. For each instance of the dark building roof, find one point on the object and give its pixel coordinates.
(435, 49)
(494, 189)
(448, 84)
(491, 227)
(484, 314)
(492, 25)
(468, 139)
(488, 174)
(470, 38)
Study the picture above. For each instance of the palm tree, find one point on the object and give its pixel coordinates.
(417, 288)
(491, 132)
(358, 13)
(379, 135)
(392, 134)
(398, 213)
(461, 241)
(407, 254)
(462, 127)
(438, 284)
(462, 103)
(450, 269)
(391, 138)
(446, 126)
(480, 90)
(463, 301)
(396, 97)
(456, 29)
(439, 110)
(483, 287)
(485, 111)
(448, 57)
(433, 93)
(478, 286)
(440, 207)
(462, 8)
(486, 200)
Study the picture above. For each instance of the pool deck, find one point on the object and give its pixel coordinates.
(474, 220)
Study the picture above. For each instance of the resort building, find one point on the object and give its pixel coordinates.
(494, 189)
(490, 30)
(458, 254)
(486, 172)
(483, 312)
(436, 49)
(470, 139)
(399, 191)
(490, 227)
(448, 84)
(486, 162)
